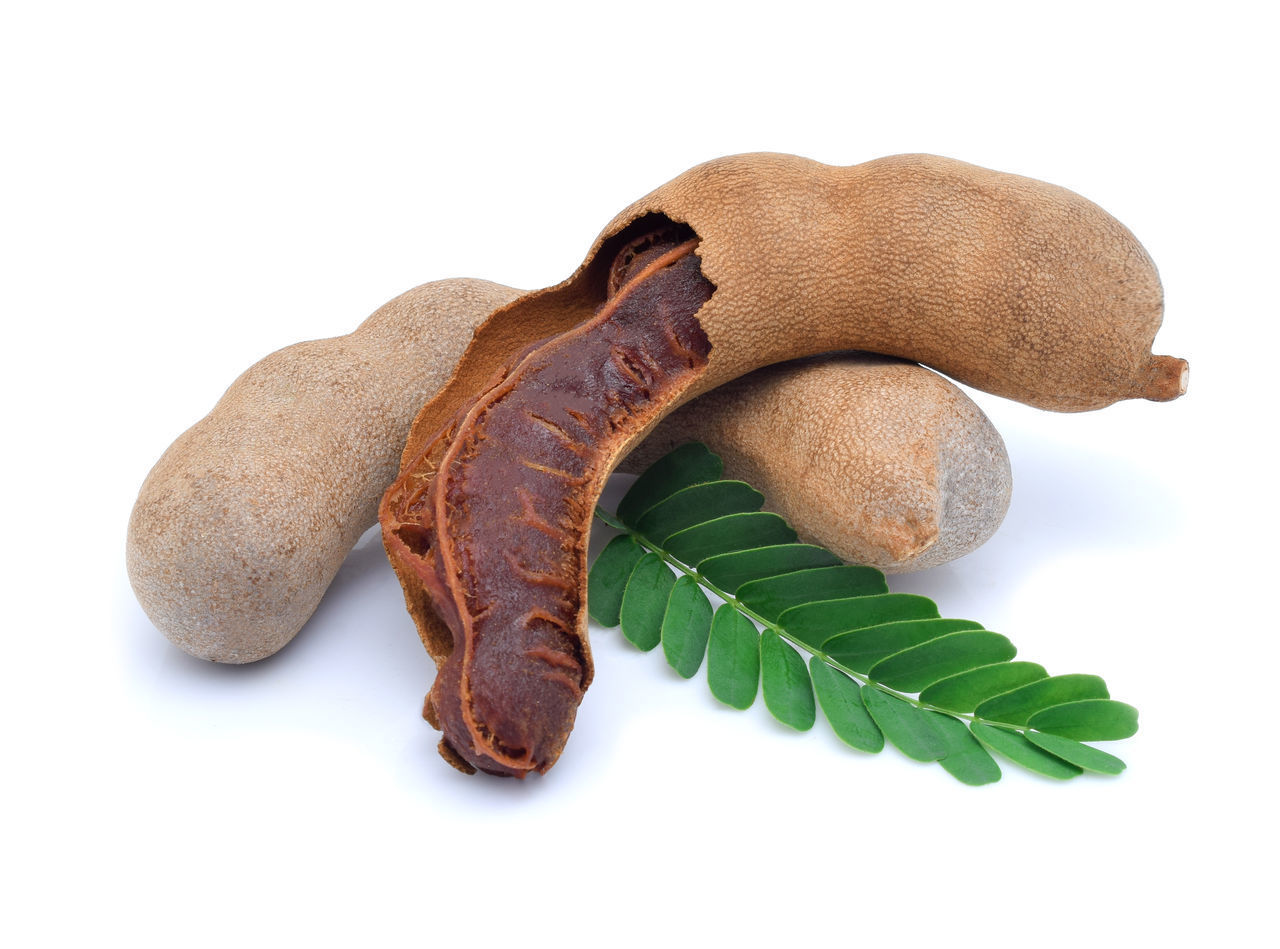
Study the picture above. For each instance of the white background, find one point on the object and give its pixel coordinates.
(186, 188)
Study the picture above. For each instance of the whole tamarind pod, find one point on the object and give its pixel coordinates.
(1008, 284)
(242, 524)
(908, 474)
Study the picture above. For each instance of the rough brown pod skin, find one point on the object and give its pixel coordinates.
(242, 524)
(910, 473)
(1011, 285)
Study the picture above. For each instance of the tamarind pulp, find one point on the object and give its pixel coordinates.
(491, 517)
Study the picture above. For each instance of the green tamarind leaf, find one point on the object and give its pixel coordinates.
(843, 614)
(860, 649)
(691, 463)
(697, 504)
(920, 666)
(788, 693)
(732, 532)
(815, 623)
(1015, 746)
(730, 571)
(966, 759)
(733, 658)
(964, 691)
(686, 626)
(773, 596)
(1018, 705)
(608, 578)
(1087, 720)
(1080, 755)
(841, 701)
(644, 602)
(908, 727)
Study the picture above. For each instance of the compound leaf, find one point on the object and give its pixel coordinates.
(844, 615)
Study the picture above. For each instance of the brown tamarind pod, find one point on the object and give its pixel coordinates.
(1008, 284)
(881, 461)
(243, 522)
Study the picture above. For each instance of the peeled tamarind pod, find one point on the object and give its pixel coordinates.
(1011, 285)
(489, 518)
(881, 461)
(243, 522)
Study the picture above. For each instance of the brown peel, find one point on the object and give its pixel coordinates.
(907, 474)
(242, 524)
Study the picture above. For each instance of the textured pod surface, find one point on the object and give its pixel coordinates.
(1008, 284)
(881, 461)
(243, 522)
(1012, 285)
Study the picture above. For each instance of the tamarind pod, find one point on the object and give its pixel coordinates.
(1011, 285)
(907, 474)
(241, 525)
(489, 519)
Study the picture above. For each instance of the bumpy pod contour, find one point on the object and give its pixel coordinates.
(1011, 285)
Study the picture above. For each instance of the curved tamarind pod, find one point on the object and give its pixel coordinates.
(487, 519)
(242, 524)
(1011, 285)
(907, 474)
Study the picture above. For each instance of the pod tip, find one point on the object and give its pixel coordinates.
(1167, 378)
